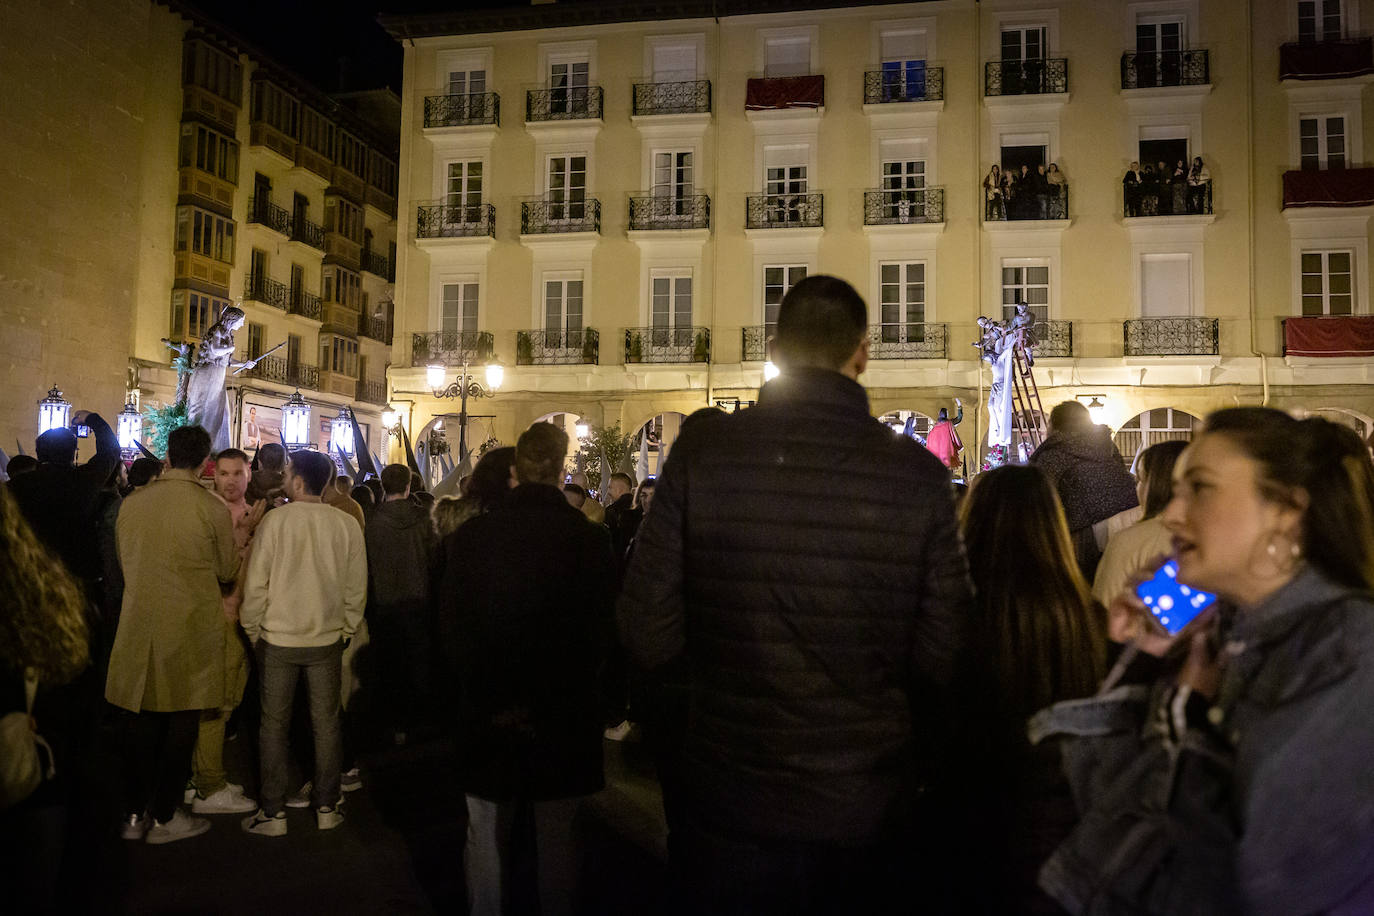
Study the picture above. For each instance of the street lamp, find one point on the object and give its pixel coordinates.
(53, 411)
(130, 428)
(341, 432)
(464, 387)
(770, 371)
(295, 421)
(583, 430)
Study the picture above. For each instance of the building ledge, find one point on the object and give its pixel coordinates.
(899, 110)
(581, 129)
(1043, 101)
(461, 135)
(1169, 93)
(809, 234)
(785, 115)
(900, 229)
(456, 242)
(672, 124)
(671, 236)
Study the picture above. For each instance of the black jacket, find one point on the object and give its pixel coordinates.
(525, 620)
(808, 562)
(1092, 482)
(400, 556)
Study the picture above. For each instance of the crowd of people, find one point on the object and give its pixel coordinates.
(1158, 190)
(864, 689)
(1024, 193)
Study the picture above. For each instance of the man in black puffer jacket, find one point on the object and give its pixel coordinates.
(807, 564)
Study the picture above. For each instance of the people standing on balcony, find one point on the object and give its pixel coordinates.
(995, 204)
(1199, 178)
(1058, 191)
(1132, 186)
(1179, 188)
(1040, 185)
(818, 665)
(1163, 189)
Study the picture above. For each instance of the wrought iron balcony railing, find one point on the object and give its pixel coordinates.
(1183, 336)
(884, 86)
(785, 211)
(462, 110)
(373, 328)
(442, 221)
(1151, 69)
(667, 345)
(912, 340)
(312, 234)
(545, 215)
(1053, 338)
(892, 207)
(689, 97)
(259, 288)
(1174, 198)
(1037, 76)
(753, 342)
(1052, 203)
(378, 264)
(543, 347)
(265, 213)
(661, 212)
(307, 305)
(371, 391)
(285, 372)
(450, 347)
(577, 103)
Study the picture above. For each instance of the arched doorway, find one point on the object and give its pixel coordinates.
(1159, 424)
(576, 426)
(651, 441)
(1346, 417)
(897, 419)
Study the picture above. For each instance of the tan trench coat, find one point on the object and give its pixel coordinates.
(176, 545)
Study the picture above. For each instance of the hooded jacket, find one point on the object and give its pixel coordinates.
(1092, 482)
(400, 557)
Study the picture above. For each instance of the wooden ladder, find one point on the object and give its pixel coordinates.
(1027, 415)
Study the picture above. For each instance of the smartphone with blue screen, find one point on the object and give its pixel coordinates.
(1171, 602)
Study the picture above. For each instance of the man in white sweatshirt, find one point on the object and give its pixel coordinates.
(304, 594)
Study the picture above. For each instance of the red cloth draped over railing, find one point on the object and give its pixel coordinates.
(1326, 59)
(1328, 188)
(785, 92)
(1346, 335)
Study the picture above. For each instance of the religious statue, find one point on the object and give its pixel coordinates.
(997, 346)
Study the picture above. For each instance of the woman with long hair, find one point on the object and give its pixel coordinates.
(992, 193)
(1035, 637)
(491, 481)
(1131, 549)
(1228, 767)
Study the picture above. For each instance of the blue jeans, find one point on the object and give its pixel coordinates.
(279, 669)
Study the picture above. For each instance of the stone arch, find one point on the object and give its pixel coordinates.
(659, 430)
(1158, 424)
(897, 420)
(1357, 421)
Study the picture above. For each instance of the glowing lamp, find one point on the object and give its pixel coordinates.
(770, 371)
(495, 374)
(434, 374)
(583, 430)
(130, 427)
(53, 411)
(295, 421)
(389, 417)
(341, 432)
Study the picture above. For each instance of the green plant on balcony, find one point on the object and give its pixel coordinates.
(636, 348)
(700, 349)
(524, 348)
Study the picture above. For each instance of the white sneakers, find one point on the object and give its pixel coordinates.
(259, 824)
(301, 799)
(133, 827)
(228, 800)
(351, 780)
(181, 827)
(327, 818)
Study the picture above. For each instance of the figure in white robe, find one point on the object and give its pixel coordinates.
(207, 403)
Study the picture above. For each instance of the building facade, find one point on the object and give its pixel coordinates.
(613, 208)
(233, 182)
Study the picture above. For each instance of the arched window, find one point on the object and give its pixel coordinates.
(1159, 424)
(897, 420)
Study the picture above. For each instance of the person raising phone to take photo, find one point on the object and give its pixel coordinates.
(1241, 782)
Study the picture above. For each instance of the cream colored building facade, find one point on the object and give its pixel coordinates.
(877, 178)
(209, 175)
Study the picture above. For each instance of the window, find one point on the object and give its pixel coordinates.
(567, 187)
(193, 313)
(209, 151)
(339, 354)
(1024, 43)
(788, 56)
(563, 304)
(342, 286)
(1319, 20)
(673, 179)
(776, 282)
(272, 105)
(568, 82)
(293, 353)
(674, 63)
(254, 340)
(317, 132)
(670, 306)
(786, 190)
(297, 284)
(1151, 428)
(467, 82)
(1328, 283)
(205, 234)
(1026, 282)
(463, 191)
(212, 69)
(903, 298)
(1321, 141)
(903, 65)
(381, 173)
(1156, 34)
(1166, 285)
(904, 180)
(350, 153)
(459, 308)
(342, 217)
(257, 266)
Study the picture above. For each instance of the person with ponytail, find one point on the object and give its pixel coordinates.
(1227, 769)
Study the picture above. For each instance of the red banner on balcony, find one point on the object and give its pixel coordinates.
(1328, 188)
(1324, 60)
(1346, 335)
(785, 92)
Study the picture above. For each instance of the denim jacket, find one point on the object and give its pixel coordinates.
(1261, 802)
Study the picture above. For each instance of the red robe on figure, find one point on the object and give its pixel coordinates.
(944, 443)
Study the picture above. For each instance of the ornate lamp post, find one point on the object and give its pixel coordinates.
(341, 432)
(53, 411)
(295, 421)
(130, 428)
(463, 388)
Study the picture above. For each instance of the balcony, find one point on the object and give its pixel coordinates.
(898, 207)
(582, 103)
(1051, 205)
(689, 97)
(312, 234)
(1053, 339)
(1158, 69)
(914, 340)
(785, 211)
(307, 305)
(371, 391)
(774, 93)
(314, 161)
(285, 372)
(1326, 60)
(463, 110)
(1037, 76)
(442, 221)
(373, 328)
(1329, 336)
(257, 288)
(1171, 199)
(1328, 188)
(885, 87)
(547, 216)
(753, 342)
(265, 213)
(1183, 336)
(540, 347)
(664, 212)
(450, 348)
(667, 345)
(377, 264)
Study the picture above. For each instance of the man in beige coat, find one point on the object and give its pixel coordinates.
(176, 548)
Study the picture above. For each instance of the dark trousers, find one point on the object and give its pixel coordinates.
(404, 649)
(280, 668)
(157, 760)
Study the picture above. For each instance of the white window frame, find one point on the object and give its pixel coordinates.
(1024, 264)
(1186, 10)
(564, 277)
(1356, 306)
(877, 297)
(1048, 19)
(893, 27)
(1350, 19)
(566, 52)
(1187, 257)
(469, 59)
(461, 280)
(767, 37)
(672, 275)
(438, 279)
(441, 175)
(673, 151)
(1044, 134)
(787, 265)
(694, 40)
(1322, 133)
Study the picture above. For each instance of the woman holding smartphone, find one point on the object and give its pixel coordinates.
(1228, 769)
